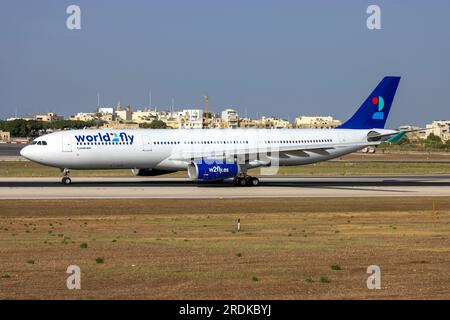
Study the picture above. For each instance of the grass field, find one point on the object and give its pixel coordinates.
(30, 169)
(190, 249)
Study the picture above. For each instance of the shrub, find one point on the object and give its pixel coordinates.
(335, 267)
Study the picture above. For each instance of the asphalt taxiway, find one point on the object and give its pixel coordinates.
(272, 187)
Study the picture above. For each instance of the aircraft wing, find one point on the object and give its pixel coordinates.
(284, 151)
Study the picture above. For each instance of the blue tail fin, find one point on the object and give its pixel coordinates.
(374, 111)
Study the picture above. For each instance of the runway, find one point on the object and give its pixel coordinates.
(11, 152)
(180, 188)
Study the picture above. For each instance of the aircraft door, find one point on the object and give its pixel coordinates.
(67, 143)
(341, 137)
(146, 143)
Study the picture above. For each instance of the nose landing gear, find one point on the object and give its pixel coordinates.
(246, 181)
(66, 179)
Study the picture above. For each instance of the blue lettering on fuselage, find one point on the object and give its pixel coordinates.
(106, 137)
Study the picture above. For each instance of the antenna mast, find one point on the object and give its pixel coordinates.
(150, 100)
(206, 112)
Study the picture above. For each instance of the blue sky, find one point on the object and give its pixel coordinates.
(282, 58)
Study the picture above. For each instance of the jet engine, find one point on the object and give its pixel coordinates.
(211, 171)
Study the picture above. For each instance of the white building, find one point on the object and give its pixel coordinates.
(317, 122)
(414, 135)
(141, 116)
(124, 114)
(271, 123)
(230, 118)
(281, 124)
(83, 116)
(5, 136)
(192, 119)
(107, 114)
(105, 110)
(49, 117)
(440, 128)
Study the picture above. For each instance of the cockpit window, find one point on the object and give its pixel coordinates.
(39, 143)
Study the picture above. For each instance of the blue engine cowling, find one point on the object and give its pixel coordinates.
(200, 170)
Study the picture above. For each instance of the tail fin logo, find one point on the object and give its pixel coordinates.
(379, 102)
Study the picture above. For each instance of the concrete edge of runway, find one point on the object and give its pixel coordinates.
(183, 188)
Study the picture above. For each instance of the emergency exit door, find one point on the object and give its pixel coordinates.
(146, 143)
(67, 143)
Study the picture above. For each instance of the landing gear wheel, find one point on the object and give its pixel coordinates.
(243, 182)
(246, 181)
(66, 181)
(254, 181)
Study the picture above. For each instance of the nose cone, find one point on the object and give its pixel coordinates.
(26, 152)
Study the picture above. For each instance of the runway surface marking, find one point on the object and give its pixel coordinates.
(129, 188)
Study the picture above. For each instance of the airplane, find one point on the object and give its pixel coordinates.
(216, 154)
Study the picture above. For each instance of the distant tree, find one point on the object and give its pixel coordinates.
(434, 142)
(447, 144)
(32, 128)
(155, 124)
(432, 138)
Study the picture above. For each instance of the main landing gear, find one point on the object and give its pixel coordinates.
(246, 181)
(66, 179)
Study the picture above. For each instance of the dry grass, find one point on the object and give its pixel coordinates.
(183, 249)
(359, 165)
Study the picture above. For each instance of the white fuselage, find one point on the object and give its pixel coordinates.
(152, 148)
